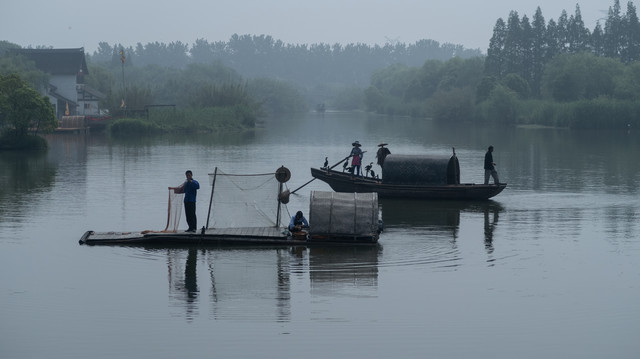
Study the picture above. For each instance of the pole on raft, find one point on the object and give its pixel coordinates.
(213, 185)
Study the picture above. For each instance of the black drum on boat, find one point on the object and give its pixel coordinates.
(421, 170)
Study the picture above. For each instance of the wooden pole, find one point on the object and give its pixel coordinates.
(213, 186)
(278, 213)
(330, 168)
(313, 179)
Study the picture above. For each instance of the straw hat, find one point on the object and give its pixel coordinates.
(357, 143)
(382, 144)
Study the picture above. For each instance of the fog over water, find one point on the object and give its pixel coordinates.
(74, 23)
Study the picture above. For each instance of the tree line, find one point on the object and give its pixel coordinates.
(557, 73)
(524, 47)
(304, 64)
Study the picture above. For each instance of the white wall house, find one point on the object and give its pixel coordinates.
(67, 91)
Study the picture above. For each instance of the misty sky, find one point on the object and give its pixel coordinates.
(73, 23)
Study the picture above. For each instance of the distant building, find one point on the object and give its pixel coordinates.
(67, 91)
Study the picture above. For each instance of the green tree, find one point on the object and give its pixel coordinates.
(628, 84)
(631, 35)
(276, 97)
(101, 79)
(486, 85)
(578, 37)
(23, 109)
(513, 52)
(518, 85)
(502, 106)
(453, 105)
(597, 41)
(13, 63)
(562, 32)
(539, 48)
(613, 31)
(552, 41)
(572, 77)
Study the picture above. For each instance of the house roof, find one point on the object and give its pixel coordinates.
(91, 90)
(53, 92)
(57, 61)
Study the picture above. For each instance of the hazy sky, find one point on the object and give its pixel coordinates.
(74, 23)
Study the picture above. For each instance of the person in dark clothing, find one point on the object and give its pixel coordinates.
(490, 167)
(190, 188)
(382, 154)
(298, 222)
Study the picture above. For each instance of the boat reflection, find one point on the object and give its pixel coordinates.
(257, 283)
(440, 217)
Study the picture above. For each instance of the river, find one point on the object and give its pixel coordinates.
(549, 268)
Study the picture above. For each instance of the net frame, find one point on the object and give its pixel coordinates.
(243, 200)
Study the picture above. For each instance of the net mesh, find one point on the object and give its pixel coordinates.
(174, 211)
(241, 200)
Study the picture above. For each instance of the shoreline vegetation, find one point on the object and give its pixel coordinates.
(210, 120)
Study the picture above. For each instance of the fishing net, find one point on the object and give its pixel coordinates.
(174, 212)
(243, 200)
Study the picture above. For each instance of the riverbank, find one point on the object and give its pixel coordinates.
(205, 120)
(10, 142)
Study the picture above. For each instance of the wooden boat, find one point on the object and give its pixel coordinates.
(335, 219)
(420, 177)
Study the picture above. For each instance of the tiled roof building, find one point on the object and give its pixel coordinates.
(67, 90)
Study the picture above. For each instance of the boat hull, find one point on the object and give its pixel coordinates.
(345, 182)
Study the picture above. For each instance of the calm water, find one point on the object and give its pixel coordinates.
(549, 269)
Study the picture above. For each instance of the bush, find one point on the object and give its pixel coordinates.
(9, 141)
(133, 126)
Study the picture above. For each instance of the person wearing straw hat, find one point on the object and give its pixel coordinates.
(356, 160)
(382, 153)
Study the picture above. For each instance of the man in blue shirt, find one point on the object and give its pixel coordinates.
(190, 188)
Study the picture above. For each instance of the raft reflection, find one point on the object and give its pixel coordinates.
(257, 283)
(333, 269)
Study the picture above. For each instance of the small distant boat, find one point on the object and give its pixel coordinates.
(334, 219)
(412, 176)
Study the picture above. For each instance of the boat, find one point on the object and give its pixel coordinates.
(334, 218)
(411, 176)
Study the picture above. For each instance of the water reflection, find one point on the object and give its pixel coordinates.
(23, 174)
(439, 219)
(491, 214)
(432, 215)
(335, 270)
(257, 283)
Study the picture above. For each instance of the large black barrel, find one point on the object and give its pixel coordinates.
(347, 214)
(421, 170)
